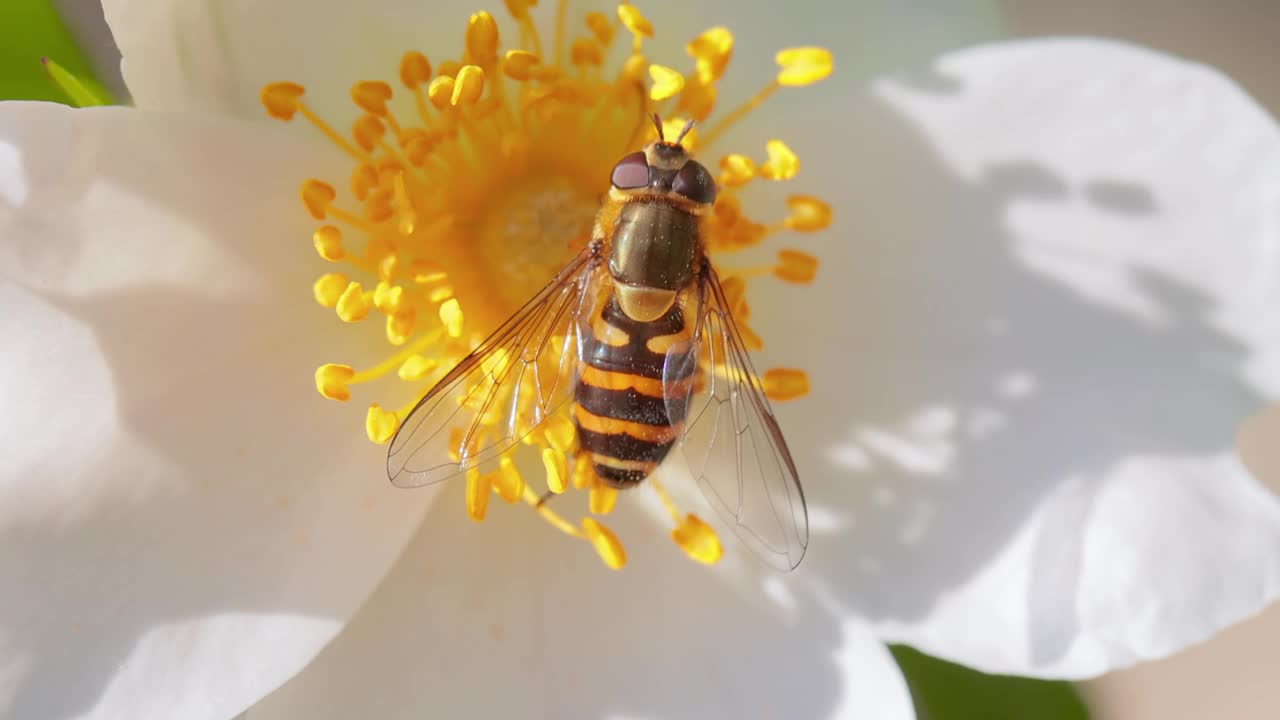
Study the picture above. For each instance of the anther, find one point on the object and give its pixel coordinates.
(508, 481)
(482, 39)
(808, 213)
(451, 316)
(560, 433)
(782, 384)
(468, 86)
(477, 494)
(380, 424)
(600, 26)
(634, 70)
(795, 267)
(519, 64)
(328, 289)
(332, 379)
(400, 326)
(736, 170)
(607, 545)
(602, 499)
(782, 163)
(328, 242)
(440, 91)
(317, 196)
(363, 179)
(519, 9)
(584, 475)
(416, 367)
(698, 540)
(371, 96)
(415, 70)
(666, 83)
(803, 65)
(353, 305)
(367, 131)
(636, 23)
(281, 99)
(711, 51)
(557, 470)
(584, 51)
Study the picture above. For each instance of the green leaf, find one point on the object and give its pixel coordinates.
(947, 691)
(31, 30)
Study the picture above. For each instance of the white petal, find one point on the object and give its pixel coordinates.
(195, 54)
(184, 522)
(216, 56)
(1055, 268)
(510, 619)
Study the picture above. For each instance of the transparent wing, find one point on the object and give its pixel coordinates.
(520, 375)
(731, 440)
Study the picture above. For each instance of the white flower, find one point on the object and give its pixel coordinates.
(1042, 310)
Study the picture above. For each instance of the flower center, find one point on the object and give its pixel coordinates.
(531, 232)
(474, 187)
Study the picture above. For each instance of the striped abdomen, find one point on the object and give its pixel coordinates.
(621, 412)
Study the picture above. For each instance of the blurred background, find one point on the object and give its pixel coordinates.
(1232, 676)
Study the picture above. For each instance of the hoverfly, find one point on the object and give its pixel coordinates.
(636, 337)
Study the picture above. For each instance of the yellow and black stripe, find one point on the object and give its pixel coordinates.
(621, 412)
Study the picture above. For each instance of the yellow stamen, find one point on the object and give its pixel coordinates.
(415, 69)
(451, 316)
(636, 24)
(283, 99)
(531, 498)
(667, 502)
(808, 213)
(736, 170)
(417, 367)
(557, 470)
(440, 92)
(803, 65)
(508, 481)
(602, 499)
(328, 289)
(782, 163)
(585, 51)
(519, 64)
(371, 96)
(782, 384)
(795, 266)
(562, 14)
(328, 242)
(353, 305)
(712, 50)
(600, 26)
(482, 39)
(380, 425)
(606, 543)
(666, 82)
(468, 86)
(317, 196)
(477, 494)
(331, 381)
(698, 540)
(584, 475)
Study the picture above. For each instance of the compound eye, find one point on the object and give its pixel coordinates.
(694, 182)
(631, 172)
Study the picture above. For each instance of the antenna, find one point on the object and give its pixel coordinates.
(657, 122)
(687, 127)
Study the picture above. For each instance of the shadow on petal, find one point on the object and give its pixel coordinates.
(967, 377)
